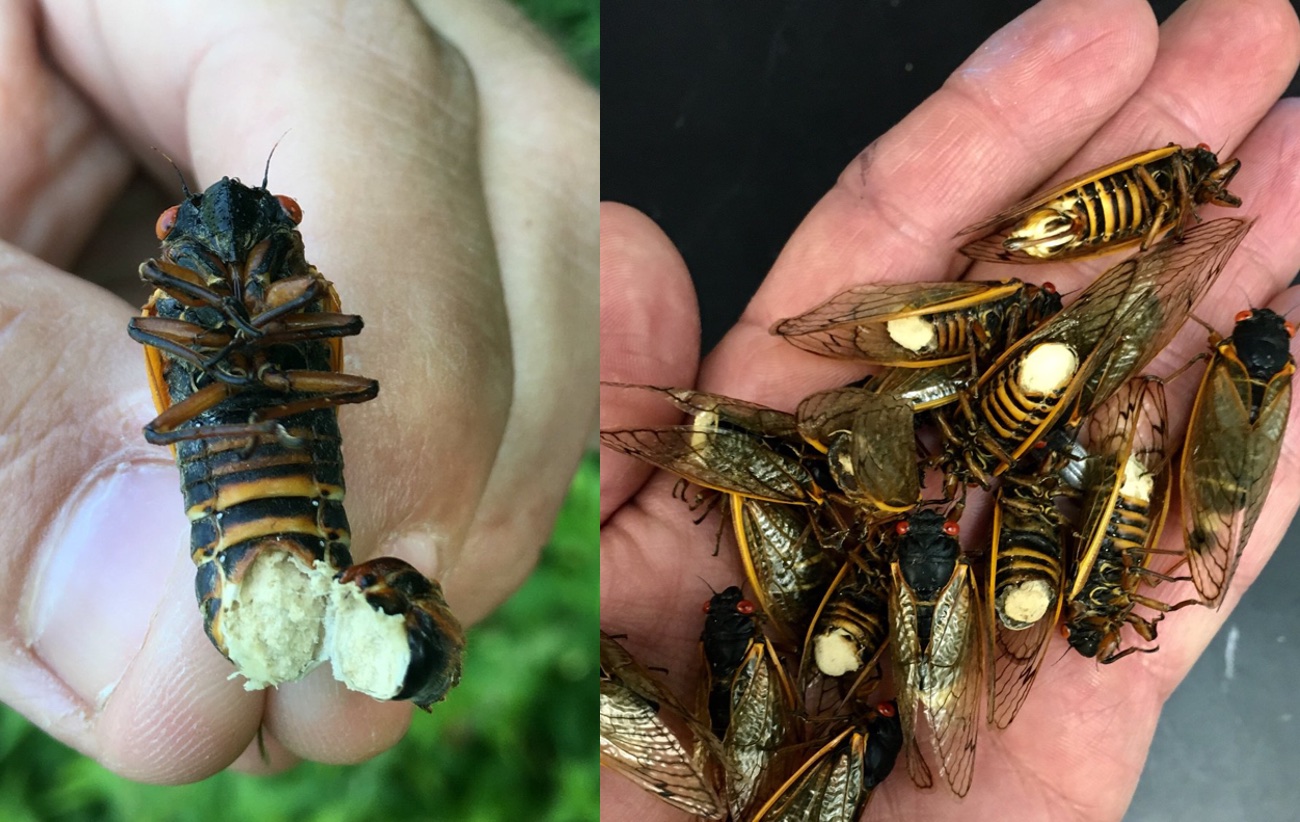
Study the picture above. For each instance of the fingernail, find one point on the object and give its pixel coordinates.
(102, 572)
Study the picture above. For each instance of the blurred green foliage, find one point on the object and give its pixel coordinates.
(516, 739)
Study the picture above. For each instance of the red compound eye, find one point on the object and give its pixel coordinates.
(1065, 631)
(1203, 146)
(952, 529)
(745, 606)
(1049, 288)
(902, 527)
(166, 221)
(291, 207)
(708, 603)
(886, 709)
(1290, 329)
(1040, 445)
(1242, 316)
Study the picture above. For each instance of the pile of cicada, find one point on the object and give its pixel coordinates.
(866, 613)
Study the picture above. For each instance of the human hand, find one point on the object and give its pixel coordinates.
(1030, 102)
(444, 158)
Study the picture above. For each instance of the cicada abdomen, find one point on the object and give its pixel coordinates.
(1026, 578)
(243, 348)
(730, 629)
(1234, 439)
(1131, 201)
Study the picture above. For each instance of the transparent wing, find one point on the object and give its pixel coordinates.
(731, 461)
(787, 568)
(635, 742)
(952, 671)
(1227, 469)
(884, 454)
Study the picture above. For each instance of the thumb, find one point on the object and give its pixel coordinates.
(649, 333)
(100, 643)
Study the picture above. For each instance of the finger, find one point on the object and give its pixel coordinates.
(1015, 110)
(649, 335)
(59, 166)
(264, 756)
(317, 718)
(540, 144)
(1191, 96)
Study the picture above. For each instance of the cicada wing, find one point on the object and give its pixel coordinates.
(954, 666)
(924, 389)
(733, 462)
(1227, 469)
(1165, 285)
(907, 656)
(884, 454)
(828, 787)
(786, 566)
(858, 324)
(823, 414)
(762, 705)
(635, 742)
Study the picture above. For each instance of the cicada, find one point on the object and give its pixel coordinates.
(936, 646)
(243, 348)
(1129, 202)
(1234, 439)
(751, 699)
(784, 561)
(1026, 578)
(836, 782)
(1074, 361)
(1126, 478)
(720, 451)
(851, 626)
(636, 742)
(920, 325)
(870, 443)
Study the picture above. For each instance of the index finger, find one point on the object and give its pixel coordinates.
(891, 215)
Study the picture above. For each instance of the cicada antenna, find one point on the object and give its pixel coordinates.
(184, 186)
(266, 173)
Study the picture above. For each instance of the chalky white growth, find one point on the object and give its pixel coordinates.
(912, 333)
(367, 648)
(1047, 368)
(836, 653)
(1138, 482)
(1021, 605)
(706, 422)
(285, 619)
(273, 622)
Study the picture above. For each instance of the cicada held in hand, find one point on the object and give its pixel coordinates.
(836, 782)
(1126, 478)
(636, 742)
(919, 325)
(1026, 578)
(243, 348)
(751, 699)
(1075, 360)
(1128, 202)
(1234, 439)
(935, 644)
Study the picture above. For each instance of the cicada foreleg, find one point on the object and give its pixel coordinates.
(185, 341)
(185, 286)
(331, 389)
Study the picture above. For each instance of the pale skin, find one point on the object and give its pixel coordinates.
(444, 156)
(1028, 108)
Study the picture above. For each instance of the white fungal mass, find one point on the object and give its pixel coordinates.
(836, 653)
(1047, 368)
(1138, 482)
(912, 333)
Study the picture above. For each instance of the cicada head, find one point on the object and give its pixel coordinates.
(1263, 342)
(1210, 178)
(225, 226)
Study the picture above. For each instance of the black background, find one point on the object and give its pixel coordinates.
(726, 121)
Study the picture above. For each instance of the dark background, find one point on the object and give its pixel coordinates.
(725, 122)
